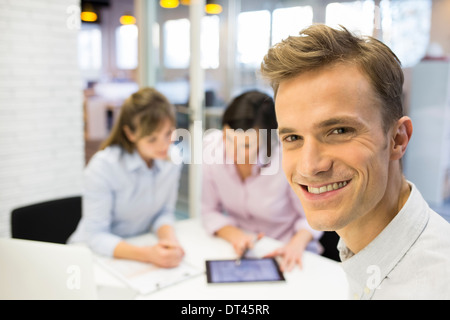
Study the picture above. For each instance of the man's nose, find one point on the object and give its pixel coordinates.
(313, 159)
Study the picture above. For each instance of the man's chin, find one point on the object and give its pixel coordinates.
(324, 220)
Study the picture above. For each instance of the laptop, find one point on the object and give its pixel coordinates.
(34, 270)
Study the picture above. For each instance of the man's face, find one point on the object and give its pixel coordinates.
(335, 151)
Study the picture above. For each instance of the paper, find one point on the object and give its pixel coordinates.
(262, 247)
(146, 278)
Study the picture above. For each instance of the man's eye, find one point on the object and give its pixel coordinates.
(340, 131)
(291, 138)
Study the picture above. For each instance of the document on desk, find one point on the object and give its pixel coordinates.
(146, 278)
(263, 246)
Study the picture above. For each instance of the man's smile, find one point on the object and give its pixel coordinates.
(324, 188)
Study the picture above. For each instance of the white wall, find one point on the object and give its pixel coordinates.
(41, 113)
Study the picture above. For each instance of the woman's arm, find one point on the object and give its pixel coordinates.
(213, 218)
(98, 199)
(160, 254)
(167, 253)
(292, 252)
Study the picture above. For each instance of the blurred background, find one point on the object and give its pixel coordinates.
(67, 65)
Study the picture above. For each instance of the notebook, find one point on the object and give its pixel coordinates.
(46, 271)
(34, 270)
(146, 278)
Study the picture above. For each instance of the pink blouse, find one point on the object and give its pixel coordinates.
(260, 203)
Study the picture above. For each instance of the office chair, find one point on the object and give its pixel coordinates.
(50, 221)
(329, 241)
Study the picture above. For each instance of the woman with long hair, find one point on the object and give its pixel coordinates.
(131, 186)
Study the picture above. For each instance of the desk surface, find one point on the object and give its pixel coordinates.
(320, 278)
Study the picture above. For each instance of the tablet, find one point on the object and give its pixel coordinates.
(249, 270)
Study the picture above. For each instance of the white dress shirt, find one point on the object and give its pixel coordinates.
(123, 198)
(409, 259)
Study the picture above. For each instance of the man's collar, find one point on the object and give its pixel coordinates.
(366, 269)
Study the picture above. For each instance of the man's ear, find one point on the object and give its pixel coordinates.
(129, 134)
(401, 135)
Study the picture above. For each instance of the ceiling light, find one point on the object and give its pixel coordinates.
(169, 4)
(88, 16)
(88, 13)
(212, 7)
(127, 19)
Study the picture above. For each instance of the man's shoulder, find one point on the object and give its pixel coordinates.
(436, 233)
(439, 224)
(435, 238)
(431, 252)
(424, 271)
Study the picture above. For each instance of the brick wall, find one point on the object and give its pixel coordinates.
(41, 114)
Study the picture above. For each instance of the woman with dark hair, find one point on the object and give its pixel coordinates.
(241, 199)
(131, 186)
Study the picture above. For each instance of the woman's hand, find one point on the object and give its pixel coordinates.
(238, 238)
(167, 253)
(164, 254)
(292, 252)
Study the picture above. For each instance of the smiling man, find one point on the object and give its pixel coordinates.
(341, 123)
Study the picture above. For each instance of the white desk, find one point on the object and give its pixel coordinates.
(320, 278)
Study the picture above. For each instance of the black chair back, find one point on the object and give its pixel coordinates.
(51, 221)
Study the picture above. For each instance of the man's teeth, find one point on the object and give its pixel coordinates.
(327, 188)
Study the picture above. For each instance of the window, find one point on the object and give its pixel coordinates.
(253, 37)
(156, 41)
(177, 43)
(290, 21)
(357, 16)
(210, 42)
(90, 48)
(406, 28)
(127, 47)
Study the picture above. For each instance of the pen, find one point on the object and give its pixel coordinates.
(242, 256)
(244, 253)
(170, 246)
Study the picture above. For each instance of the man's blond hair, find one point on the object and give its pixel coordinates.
(319, 46)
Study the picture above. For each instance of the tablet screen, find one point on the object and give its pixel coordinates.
(249, 270)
